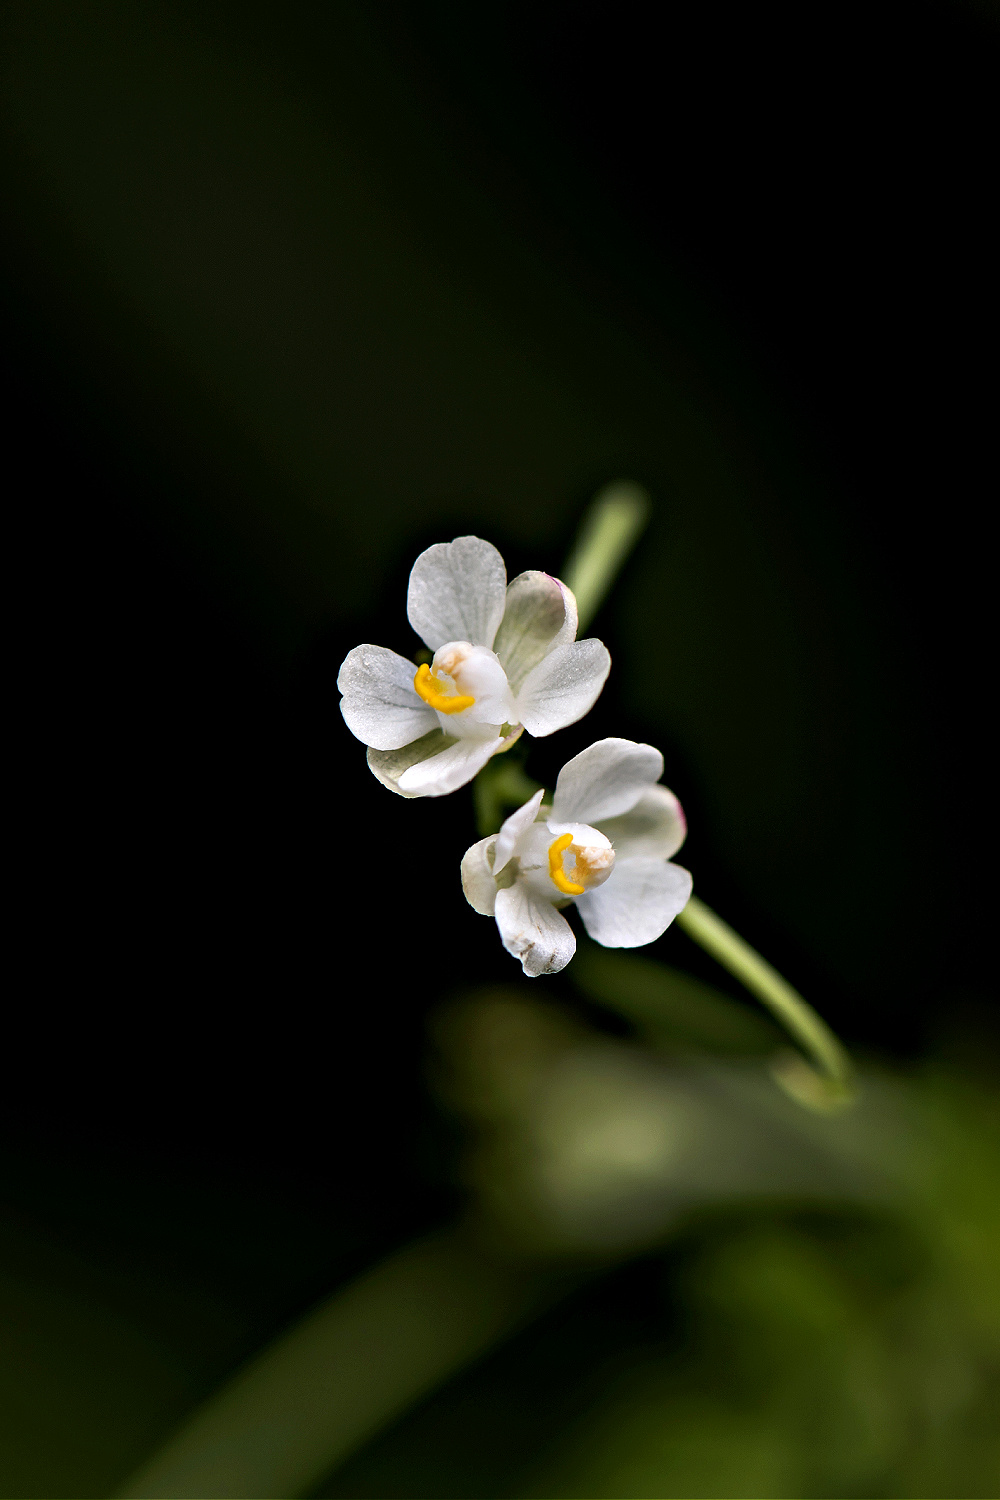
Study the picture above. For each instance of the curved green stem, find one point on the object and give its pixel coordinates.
(609, 531)
(828, 1084)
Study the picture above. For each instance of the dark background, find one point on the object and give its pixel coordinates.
(291, 292)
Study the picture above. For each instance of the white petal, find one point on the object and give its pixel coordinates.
(380, 705)
(539, 616)
(655, 828)
(449, 769)
(389, 765)
(532, 855)
(637, 904)
(456, 592)
(514, 826)
(477, 876)
(563, 687)
(533, 931)
(606, 779)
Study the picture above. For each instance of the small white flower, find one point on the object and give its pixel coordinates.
(604, 843)
(505, 660)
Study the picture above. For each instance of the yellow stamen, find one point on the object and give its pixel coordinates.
(427, 687)
(556, 850)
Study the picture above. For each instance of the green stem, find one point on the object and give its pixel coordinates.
(609, 531)
(829, 1085)
(500, 787)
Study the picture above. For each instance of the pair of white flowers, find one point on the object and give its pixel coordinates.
(506, 659)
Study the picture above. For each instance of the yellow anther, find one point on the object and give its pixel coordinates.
(556, 850)
(427, 686)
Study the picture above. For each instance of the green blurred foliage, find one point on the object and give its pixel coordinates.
(770, 1352)
(765, 1350)
(836, 1358)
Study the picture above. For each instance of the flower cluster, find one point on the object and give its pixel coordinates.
(506, 660)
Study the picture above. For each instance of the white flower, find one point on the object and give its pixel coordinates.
(505, 660)
(604, 843)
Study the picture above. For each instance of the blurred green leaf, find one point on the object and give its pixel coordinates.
(829, 1360)
(790, 1352)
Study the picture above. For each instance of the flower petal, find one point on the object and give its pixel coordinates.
(456, 592)
(606, 779)
(655, 828)
(533, 931)
(477, 876)
(380, 705)
(514, 826)
(449, 769)
(389, 765)
(637, 904)
(563, 687)
(539, 616)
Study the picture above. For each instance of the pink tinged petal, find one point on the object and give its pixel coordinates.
(512, 829)
(539, 616)
(380, 705)
(449, 769)
(457, 592)
(477, 876)
(637, 904)
(603, 781)
(563, 687)
(533, 931)
(389, 765)
(655, 828)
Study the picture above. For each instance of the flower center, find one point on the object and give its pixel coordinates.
(557, 849)
(593, 861)
(431, 689)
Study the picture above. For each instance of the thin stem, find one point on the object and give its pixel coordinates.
(832, 1087)
(609, 531)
